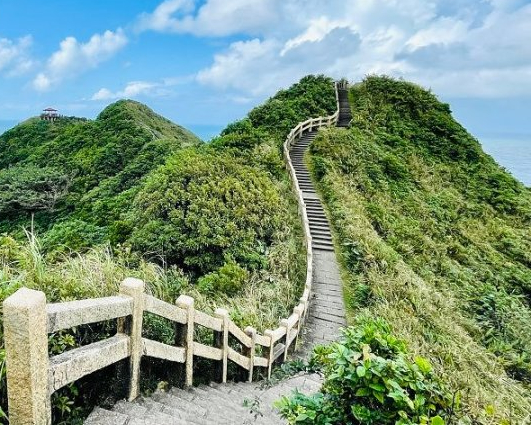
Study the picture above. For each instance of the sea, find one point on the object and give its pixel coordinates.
(513, 152)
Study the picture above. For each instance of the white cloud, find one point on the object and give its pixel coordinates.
(261, 67)
(452, 46)
(213, 18)
(74, 57)
(135, 89)
(103, 94)
(442, 31)
(14, 55)
(316, 31)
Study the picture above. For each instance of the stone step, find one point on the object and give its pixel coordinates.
(321, 247)
(316, 220)
(319, 232)
(317, 217)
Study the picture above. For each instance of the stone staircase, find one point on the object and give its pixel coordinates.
(244, 402)
(345, 113)
(215, 404)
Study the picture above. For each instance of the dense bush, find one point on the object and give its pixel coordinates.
(28, 189)
(229, 279)
(370, 379)
(312, 96)
(201, 208)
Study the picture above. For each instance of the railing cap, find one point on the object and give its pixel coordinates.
(132, 283)
(25, 298)
(249, 330)
(185, 301)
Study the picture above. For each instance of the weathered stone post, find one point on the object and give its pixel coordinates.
(26, 345)
(285, 324)
(250, 352)
(187, 303)
(270, 352)
(222, 342)
(132, 326)
(299, 310)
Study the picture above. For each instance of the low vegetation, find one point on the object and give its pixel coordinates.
(434, 237)
(370, 379)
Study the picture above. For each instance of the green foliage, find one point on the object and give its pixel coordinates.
(312, 96)
(28, 188)
(201, 208)
(228, 279)
(370, 379)
(73, 235)
(77, 169)
(435, 236)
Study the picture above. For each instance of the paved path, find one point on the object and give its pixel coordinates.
(218, 404)
(327, 311)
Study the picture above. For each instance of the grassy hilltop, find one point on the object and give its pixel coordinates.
(75, 176)
(435, 238)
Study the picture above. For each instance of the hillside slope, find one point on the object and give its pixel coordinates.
(435, 238)
(77, 174)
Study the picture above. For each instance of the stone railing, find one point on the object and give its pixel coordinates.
(33, 376)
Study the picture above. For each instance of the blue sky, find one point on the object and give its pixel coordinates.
(208, 62)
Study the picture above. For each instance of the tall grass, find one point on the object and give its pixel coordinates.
(435, 237)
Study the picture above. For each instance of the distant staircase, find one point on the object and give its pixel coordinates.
(345, 112)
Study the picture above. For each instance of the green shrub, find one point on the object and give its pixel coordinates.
(370, 379)
(73, 235)
(228, 279)
(203, 207)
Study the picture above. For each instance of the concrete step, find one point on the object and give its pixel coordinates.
(217, 404)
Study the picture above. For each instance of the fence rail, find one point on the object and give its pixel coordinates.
(33, 376)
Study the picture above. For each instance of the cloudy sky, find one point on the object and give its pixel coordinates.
(208, 62)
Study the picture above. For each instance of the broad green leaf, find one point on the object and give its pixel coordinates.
(437, 420)
(362, 392)
(379, 396)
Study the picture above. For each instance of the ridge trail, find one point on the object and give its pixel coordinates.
(217, 404)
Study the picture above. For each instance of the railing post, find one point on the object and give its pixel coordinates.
(187, 303)
(222, 342)
(132, 326)
(269, 333)
(26, 345)
(251, 332)
(284, 323)
(299, 310)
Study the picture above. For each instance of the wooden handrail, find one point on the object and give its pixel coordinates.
(32, 375)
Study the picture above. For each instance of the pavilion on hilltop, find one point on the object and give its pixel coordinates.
(50, 114)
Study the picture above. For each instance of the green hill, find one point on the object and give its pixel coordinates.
(436, 239)
(75, 176)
